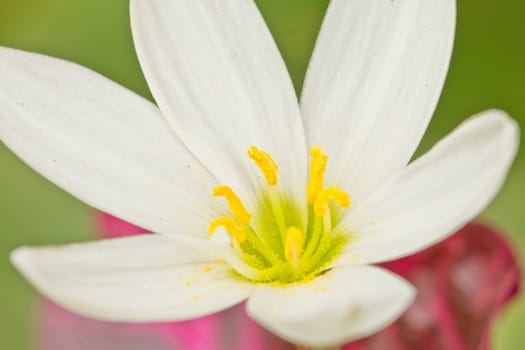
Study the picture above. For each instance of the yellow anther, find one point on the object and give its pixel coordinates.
(231, 227)
(265, 162)
(294, 243)
(317, 169)
(237, 208)
(330, 193)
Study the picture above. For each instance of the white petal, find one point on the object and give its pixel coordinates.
(217, 76)
(344, 304)
(437, 194)
(373, 83)
(141, 278)
(102, 143)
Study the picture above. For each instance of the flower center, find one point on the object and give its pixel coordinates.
(279, 247)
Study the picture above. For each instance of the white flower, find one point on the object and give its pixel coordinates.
(217, 77)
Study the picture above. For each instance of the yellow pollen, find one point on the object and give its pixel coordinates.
(265, 162)
(230, 225)
(237, 208)
(294, 243)
(330, 193)
(317, 169)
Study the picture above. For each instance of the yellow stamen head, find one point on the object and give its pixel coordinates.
(265, 162)
(330, 193)
(317, 169)
(237, 208)
(294, 243)
(231, 227)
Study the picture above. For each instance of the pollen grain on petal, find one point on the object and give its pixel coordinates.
(265, 162)
(317, 170)
(237, 208)
(326, 195)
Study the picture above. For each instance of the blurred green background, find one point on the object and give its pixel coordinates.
(487, 70)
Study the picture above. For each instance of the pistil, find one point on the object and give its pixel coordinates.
(293, 245)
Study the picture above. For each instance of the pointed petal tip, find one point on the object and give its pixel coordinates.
(504, 125)
(18, 256)
(498, 115)
(410, 293)
(136, 279)
(363, 48)
(237, 79)
(56, 116)
(469, 167)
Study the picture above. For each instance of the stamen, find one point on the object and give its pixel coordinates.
(261, 246)
(330, 193)
(315, 237)
(317, 169)
(265, 162)
(237, 208)
(327, 223)
(241, 267)
(294, 244)
(278, 211)
(231, 227)
(327, 232)
(269, 168)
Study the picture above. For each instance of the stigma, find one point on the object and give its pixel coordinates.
(277, 248)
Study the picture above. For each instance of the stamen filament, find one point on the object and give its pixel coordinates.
(278, 212)
(257, 275)
(247, 255)
(239, 265)
(267, 274)
(237, 208)
(327, 223)
(265, 251)
(324, 241)
(327, 233)
(314, 239)
(330, 248)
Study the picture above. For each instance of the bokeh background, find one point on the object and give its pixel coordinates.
(487, 70)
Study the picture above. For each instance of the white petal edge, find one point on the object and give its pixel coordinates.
(218, 78)
(102, 143)
(372, 85)
(346, 303)
(133, 279)
(436, 194)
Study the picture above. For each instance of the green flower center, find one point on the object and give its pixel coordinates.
(279, 246)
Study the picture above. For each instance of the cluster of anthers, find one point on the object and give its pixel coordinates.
(281, 247)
